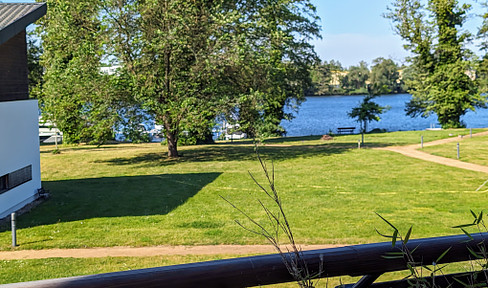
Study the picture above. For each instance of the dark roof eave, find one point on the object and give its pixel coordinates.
(18, 26)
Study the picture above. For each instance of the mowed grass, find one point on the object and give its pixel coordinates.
(132, 195)
(472, 150)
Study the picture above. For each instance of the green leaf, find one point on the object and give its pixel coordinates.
(394, 228)
(414, 249)
(467, 234)
(442, 255)
(440, 268)
(407, 236)
(464, 225)
(427, 267)
(383, 235)
(476, 255)
(474, 214)
(391, 257)
(461, 282)
(480, 218)
(395, 253)
(394, 238)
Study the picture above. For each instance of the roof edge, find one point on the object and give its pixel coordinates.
(19, 25)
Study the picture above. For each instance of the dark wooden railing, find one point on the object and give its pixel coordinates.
(359, 260)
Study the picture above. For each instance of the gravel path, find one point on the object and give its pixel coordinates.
(410, 151)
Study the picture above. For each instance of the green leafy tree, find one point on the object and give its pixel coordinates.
(74, 92)
(175, 52)
(368, 110)
(441, 82)
(275, 59)
(36, 71)
(384, 73)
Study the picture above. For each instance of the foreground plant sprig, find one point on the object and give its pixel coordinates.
(415, 268)
(291, 253)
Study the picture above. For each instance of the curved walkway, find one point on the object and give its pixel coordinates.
(409, 150)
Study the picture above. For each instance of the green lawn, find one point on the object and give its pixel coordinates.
(132, 195)
(118, 195)
(472, 150)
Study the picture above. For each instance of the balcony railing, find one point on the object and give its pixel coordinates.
(367, 260)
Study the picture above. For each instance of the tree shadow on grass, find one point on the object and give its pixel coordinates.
(232, 152)
(73, 200)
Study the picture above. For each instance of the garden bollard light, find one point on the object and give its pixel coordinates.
(14, 230)
(458, 150)
(359, 144)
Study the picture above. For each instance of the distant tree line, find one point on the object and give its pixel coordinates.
(331, 78)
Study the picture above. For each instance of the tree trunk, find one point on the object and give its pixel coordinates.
(172, 145)
(171, 137)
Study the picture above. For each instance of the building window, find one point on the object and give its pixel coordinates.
(16, 178)
(3, 183)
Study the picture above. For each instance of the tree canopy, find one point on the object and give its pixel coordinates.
(441, 82)
(183, 62)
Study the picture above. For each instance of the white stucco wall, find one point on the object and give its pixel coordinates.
(19, 147)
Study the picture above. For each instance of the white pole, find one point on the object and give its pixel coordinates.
(14, 230)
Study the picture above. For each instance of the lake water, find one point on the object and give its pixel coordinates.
(320, 115)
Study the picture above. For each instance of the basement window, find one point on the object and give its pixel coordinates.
(15, 178)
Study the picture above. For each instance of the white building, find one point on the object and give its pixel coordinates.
(20, 172)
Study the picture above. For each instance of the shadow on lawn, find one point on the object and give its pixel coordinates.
(115, 197)
(232, 152)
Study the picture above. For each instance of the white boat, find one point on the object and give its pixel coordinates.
(48, 132)
(232, 132)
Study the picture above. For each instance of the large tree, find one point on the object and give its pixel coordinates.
(441, 82)
(174, 50)
(184, 62)
(74, 93)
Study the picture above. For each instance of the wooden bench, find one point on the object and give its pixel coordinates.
(349, 130)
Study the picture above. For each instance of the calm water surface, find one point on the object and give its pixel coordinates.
(321, 115)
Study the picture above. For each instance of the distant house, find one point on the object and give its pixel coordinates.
(20, 172)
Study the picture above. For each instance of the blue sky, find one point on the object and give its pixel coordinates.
(355, 30)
